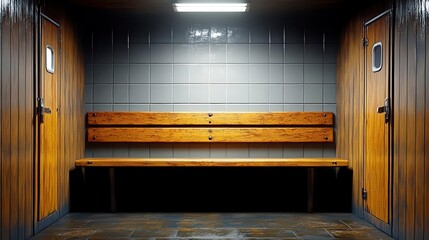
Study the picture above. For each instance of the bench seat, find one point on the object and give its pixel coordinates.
(211, 162)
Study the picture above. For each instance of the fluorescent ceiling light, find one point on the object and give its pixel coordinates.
(210, 7)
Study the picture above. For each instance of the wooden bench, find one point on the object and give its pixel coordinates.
(156, 127)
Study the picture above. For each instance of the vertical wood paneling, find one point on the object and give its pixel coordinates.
(16, 94)
(426, 143)
(420, 122)
(350, 104)
(6, 134)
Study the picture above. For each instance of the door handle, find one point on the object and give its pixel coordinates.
(385, 109)
(42, 110)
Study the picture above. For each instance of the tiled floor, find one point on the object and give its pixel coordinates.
(210, 226)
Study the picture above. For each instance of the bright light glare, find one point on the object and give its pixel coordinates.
(210, 7)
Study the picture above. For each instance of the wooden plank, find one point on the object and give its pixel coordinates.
(169, 118)
(211, 162)
(420, 125)
(210, 135)
(6, 80)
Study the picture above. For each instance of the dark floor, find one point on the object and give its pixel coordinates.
(210, 226)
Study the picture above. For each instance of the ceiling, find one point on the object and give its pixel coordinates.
(164, 6)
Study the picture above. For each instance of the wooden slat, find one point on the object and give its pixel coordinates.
(169, 118)
(237, 135)
(211, 162)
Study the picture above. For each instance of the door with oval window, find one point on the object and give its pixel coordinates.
(377, 128)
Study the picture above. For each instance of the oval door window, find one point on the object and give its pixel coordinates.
(50, 59)
(377, 57)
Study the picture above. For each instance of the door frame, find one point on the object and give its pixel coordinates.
(39, 225)
(385, 227)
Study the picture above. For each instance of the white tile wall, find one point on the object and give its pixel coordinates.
(227, 64)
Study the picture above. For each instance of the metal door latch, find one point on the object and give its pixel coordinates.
(385, 109)
(41, 109)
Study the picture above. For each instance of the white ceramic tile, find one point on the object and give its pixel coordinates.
(276, 32)
(161, 53)
(139, 93)
(181, 73)
(103, 73)
(218, 107)
(120, 150)
(259, 32)
(294, 93)
(238, 34)
(199, 108)
(139, 53)
(313, 93)
(199, 93)
(218, 34)
(237, 93)
(102, 107)
(161, 150)
(89, 78)
(120, 53)
(181, 53)
(121, 73)
(161, 107)
(103, 53)
(199, 150)
(161, 73)
(88, 108)
(329, 93)
(218, 53)
(181, 107)
(258, 93)
(199, 73)
(103, 93)
(276, 53)
(276, 73)
(293, 150)
(199, 53)
(313, 53)
(294, 53)
(331, 51)
(139, 73)
(276, 93)
(237, 73)
(275, 150)
(330, 108)
(218, 93)
(160, 32)
(139, 107)
(180, 93)
(313, 73)
(329, 150)
(313, 107)
(199, 33)
(294, 73)
(259, 73)
(104, 150)
(237, 108)
(89, 93)
(138, 150)
(161, 93)
(293, 107)
(258, 150)
(329, 73)
(237, 53)
(237, 150)
(294, 32)
(139, 33)
(259, 108)
(217, 150)
(313, 150)
(218, 73)
(181, 150)
(120, 93)
(259, 53)
(121, 107)
(276, 107)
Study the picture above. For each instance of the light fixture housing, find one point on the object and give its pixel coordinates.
(210, 7)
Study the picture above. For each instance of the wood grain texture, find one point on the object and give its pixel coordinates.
(190, 135)
(211, 162)
(171, 118)
(349, 142)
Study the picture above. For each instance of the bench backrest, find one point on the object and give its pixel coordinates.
(210, 127)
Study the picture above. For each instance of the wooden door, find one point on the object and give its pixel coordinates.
(377, 118)
(48, 118)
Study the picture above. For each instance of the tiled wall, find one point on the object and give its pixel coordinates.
(222, 63)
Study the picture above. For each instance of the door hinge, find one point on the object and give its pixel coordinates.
(42, 110)
(364, 42)
(364, 194)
